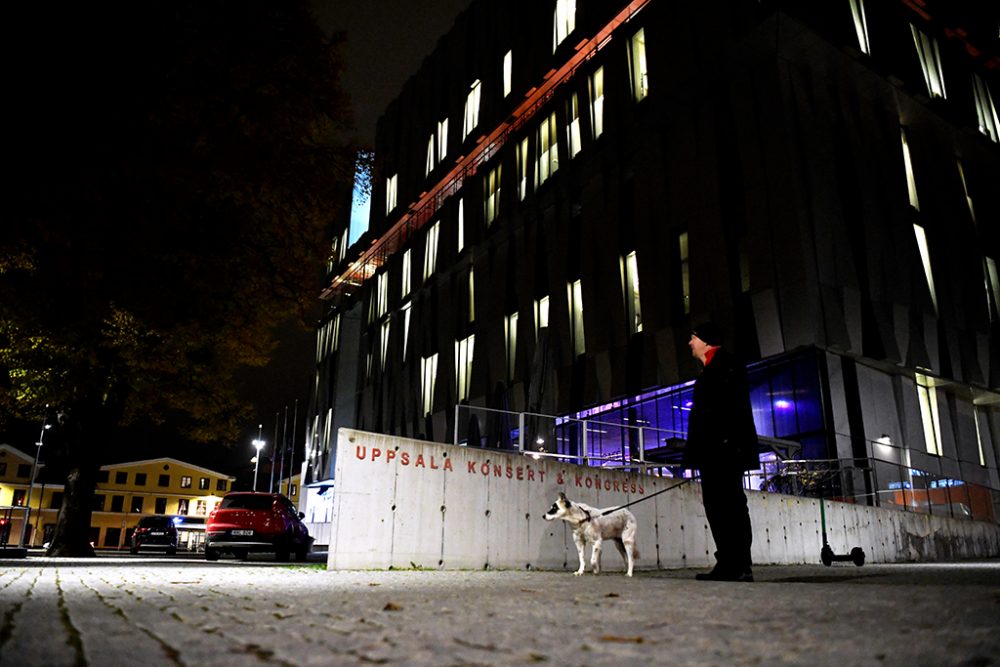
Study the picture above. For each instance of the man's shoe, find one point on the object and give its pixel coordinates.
(720, 574)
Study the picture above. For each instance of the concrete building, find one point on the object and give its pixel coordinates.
(564, 188)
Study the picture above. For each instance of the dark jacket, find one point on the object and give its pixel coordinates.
(721, 432)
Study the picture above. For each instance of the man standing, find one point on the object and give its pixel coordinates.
(722, 444)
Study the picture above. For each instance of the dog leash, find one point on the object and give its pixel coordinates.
(636, 502)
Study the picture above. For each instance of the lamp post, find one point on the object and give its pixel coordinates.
(31, 483)
(258, 445)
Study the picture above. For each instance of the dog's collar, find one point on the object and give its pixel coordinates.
(588, 516)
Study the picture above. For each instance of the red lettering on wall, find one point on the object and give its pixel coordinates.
(405, 458)
(376, 452)
(470, 467)
(531, 474)
(616, 485)
(360, 451)
(520, 473)
(579, 481)
(497, 471)
(447, 465)
(390, 454)
(420, 461)
(485, 468)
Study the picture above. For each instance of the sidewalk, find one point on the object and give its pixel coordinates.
(170, 611)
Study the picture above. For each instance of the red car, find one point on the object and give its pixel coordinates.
(248, 521)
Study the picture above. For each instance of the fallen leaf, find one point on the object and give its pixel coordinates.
(391, 606)
(612, 595)
(622, 640)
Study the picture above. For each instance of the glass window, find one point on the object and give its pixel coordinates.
(573, 126)
(860, 24)
(137, 504)
(164, 480)
(463, 366)
(682, 246)
(930, 62)
(406, 327)
(630, 285)
(965, 189)
(471, 109)
(221, 484)
(510, 338)
(925, 258)
(508, 71)
(541, 314)
(911, 183)
(185, 482)
(430, 249)
(407, 269)
(96, 506)
(574, 291)
(429, 162)
(384, 343)
(564, 21)
(461, 224)
(986, 112)
(117, 503)
(390, 193)
(472, 295)
(548, 150)
(161, 506)
(492, 195)
(992, 287)
(203, 483)
(596, 87)
(428, 377)
(637, 65)
(523, 162)
(927, 396)
(382, 293)
(140, 479)
(442, 139)
(121, 477)
(182, 506)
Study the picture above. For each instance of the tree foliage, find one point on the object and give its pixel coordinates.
(177, 169)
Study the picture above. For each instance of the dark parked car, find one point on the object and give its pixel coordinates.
(248, 521)
(155, 532)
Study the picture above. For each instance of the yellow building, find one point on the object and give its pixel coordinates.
(125, 492)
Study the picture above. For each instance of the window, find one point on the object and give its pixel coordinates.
(637, 65)
(472, 295)
(930, 62)
(630, 286)
(461, 224)
(204, 483)
(390, 193)
(992, 287)
(860, 24)
(979, 436)
(510, 343)
(102, 476)
(121, 477)
(573, 125)
(221, 484)
(185, 482)
(925, 259)
(160, 505)
(24, 470)
(406, 327)
(442, 139)
(294, 491)
(911, 183)
(96, 506)
(574, 292)
(431, 249)
(471, 109)
(384, 343)
(548, 150)
(164, 480)
(564, 21)
(491, 195)
(682, 248)
(508, 70)
(17, 500)
(986, 112)
(428, 376)
(140, 479)
(429, 162)
(136, 504)
(927, 395)
(200, 507)
(182, 506)
(463, 366)
(404, 287)
(112, 537)
(965, 189)
(117, 503)
(382, 293)
(596, 87)
(523, 160)
(541, 314)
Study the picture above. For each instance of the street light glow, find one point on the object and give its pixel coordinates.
(258, 444)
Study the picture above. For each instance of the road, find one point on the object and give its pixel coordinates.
(152, 611)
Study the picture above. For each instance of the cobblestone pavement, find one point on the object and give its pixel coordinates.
(172, 611)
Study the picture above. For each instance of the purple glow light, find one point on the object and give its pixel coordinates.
(783, 404)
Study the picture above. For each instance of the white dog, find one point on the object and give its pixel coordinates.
(589, 525)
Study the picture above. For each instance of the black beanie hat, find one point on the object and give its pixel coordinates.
(708, 332)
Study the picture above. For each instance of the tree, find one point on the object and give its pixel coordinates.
(178, 165)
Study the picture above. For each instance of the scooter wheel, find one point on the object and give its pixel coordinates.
(826, 555)
(858, 556)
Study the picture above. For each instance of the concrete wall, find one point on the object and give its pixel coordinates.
(402, 503)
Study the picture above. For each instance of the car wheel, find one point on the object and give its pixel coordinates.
(211, 554)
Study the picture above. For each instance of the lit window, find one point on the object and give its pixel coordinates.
(406, 327)
(431, 249)
(336, 333)
(564, 21)
(925, 258)
(965, 189)
(860, 24)
(442, 139)
(185, 482)
(597, 102)
(637, 64)
(630, 286)
(573, 126)
(510, 338)
(541, 314)
(930, 62)
(472, 296)
(461, 224)
(343, 245)
(682, 246)
(463, 365)
(548, 150)
(508, 71)
(574, 292)
(992, 287)
(979, 436)
(382, 293)
(390, 194)
(985, 111)
(927, 395)
(471, 109)
(911, 183)
(407, 270)
(428, 377)
(523, 160)
(384, 343)
(429, 163)
(491, 187)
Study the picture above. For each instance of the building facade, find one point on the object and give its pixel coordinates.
(564, 188)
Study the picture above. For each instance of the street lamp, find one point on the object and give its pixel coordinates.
(258, 445)
(31, 483)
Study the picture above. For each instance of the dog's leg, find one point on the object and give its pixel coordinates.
(580, 544)
(595, 556)
(626, 552)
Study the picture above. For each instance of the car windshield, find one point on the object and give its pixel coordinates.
(246, 502)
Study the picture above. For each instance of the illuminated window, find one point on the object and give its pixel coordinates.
(491, 195)
(335, 334)
(979, 436)
(548, 150)
(965, 189)
(911, 183)
(406, 327)
(930, 62)
(471, 109)
(390, 194)
(541, 314)
(384, 343)
(442, 139)
(630, 287)
(985, 111)
(564, 21)
(523, 161)
(343, 245)
(637, 65)
(510, 338)
(382, 294)
(860, 24)
(428, 377)
(992, 287)
(185, 482)
(404, 288)
(429, 163)
(508, 71)
(574, 293)
(596, 87)
(431, 249)
(925, 258)
(463, 366)
(472, 296)
(927, 395)
(573, 125)
(461, 224)
(682, 246)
